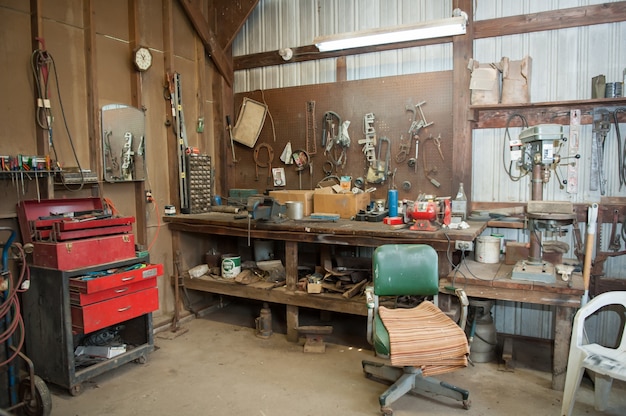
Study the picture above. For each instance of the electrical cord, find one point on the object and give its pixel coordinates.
(507, 140)
(41, 63)
(10, 306)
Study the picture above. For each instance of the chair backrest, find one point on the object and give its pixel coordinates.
(405, 269)
(595, 304)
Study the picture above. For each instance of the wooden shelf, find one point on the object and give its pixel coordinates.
(558, 112)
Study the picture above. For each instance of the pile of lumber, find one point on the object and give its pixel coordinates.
(426, 338)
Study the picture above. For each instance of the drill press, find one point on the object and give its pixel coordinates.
(539, 156)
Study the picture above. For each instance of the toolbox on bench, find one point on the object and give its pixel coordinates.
(102, 299)
(69, 234)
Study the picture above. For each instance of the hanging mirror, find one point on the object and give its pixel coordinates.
(123, 143)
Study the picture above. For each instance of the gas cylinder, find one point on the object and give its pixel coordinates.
(483, 337)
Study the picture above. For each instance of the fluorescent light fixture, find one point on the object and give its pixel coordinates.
(427, 30)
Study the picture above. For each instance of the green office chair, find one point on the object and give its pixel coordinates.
(419, 340)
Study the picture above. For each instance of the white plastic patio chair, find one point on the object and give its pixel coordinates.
(606, 363)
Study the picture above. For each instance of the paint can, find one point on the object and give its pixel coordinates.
(294, 210)
(231, 265)
(487, 249)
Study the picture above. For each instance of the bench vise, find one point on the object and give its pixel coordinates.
(265, 209)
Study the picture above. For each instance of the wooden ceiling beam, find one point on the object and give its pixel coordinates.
(228, 18)
(551, 20)
(311, 53)
(211, 45)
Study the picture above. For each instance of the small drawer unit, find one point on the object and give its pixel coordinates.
(105, 298)
(64, 309)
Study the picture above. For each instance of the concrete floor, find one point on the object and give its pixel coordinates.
(219, 367)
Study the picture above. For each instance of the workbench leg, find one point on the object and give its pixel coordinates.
(292, 323)
(562, 337)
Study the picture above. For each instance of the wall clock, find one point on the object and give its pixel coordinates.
(142, 58)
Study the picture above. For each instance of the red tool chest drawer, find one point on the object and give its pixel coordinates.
(70, 234)
(108, 297)
(99, 315)
(97, 287)
(78, 254)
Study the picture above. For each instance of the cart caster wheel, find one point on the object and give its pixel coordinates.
(76, 390)
(142, 359)
(386, 411)
(467, 404)
(38, 402)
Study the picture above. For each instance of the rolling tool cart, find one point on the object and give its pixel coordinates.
(31, 395)
(91, 298)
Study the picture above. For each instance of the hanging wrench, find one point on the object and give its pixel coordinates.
(437, 141)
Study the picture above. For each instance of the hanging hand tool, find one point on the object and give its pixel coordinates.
(601, 127)
(311, 129)
(621, 163)
(574, 143)
(592, 220)
(615, 244)
(230, 134)
(176, 98)
(413, 160)
(301, 159)
(405, 148)
(433, 170)
(437, 141)
(378, 172)
(268, 164)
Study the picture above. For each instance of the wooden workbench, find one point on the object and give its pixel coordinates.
(493, 281)
(292, 232)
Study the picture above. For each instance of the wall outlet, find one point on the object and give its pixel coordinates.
(464, 245)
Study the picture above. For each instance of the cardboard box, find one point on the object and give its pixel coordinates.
(516, 80)
(484, 83)
(346, 205)
(304, 196)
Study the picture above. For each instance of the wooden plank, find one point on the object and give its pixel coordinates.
(557, 112)
(292, 323)
(229, 17)
(281, 295)
(311, 53)
(463, 50)
(551, 20)
(562, 335)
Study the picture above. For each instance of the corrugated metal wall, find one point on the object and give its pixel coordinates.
(564, 61)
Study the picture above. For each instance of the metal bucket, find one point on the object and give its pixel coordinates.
(487, 249)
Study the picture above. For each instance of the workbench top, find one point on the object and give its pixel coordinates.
(493, 281)
(341, 232)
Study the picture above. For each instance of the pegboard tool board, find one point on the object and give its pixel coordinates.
(387, 98)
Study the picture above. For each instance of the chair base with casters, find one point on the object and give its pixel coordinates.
(420, 341)
(607, 363)
(410, 379)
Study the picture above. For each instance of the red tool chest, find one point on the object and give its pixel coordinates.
(98, 301)
(70, 234)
